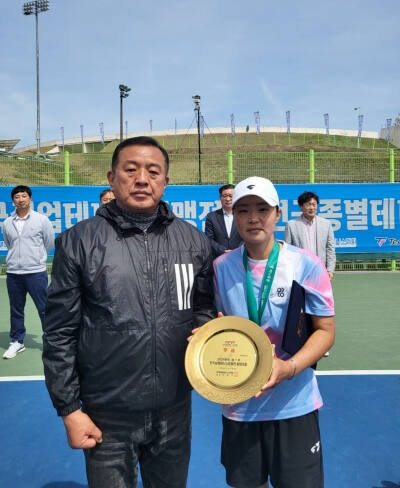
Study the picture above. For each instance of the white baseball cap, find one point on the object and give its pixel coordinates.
(260, 187)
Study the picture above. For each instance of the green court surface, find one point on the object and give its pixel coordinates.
(367, 326)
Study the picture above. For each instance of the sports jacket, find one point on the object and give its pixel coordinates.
(294, 234)
(27, 252)
(215, 230)
(120, 306)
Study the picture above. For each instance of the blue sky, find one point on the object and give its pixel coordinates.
(307, 56)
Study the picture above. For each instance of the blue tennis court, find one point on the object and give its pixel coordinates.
(360, 434)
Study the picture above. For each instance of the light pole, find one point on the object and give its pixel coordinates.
(196, 100)
(123, 93)
(35, 8)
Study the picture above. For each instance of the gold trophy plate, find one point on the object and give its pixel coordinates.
(229, 359)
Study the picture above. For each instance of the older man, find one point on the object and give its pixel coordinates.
(127, 288)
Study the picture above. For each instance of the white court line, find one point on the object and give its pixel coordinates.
(356, 372)
(318, 373)
(21, 378)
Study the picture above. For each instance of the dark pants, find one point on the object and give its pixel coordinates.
(288, 451)
(158, 440)
(18, 285)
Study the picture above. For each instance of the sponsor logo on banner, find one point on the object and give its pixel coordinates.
(346, 242)
(380, 241)
(391, 241)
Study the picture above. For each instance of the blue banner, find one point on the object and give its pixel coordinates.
(365, 217)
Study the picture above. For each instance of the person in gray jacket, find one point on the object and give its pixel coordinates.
(127, 288)
(309, 231)
(28, 236)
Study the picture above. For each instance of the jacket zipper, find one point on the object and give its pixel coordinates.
(153, 320)
(168, 291)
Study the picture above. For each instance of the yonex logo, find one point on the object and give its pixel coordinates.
(250, 187)
(315, 448)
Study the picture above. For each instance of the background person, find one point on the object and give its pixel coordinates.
(220, 227)
(128, 286)
(29, 237)
(309, 231)
(275, 434)
(106, 196)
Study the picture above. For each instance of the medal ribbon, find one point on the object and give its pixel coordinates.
(255, 313)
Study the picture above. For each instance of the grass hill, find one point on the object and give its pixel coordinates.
(284, 158)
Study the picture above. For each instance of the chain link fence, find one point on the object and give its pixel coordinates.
(212, 168)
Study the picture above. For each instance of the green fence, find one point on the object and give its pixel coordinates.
(213, 167)
(222, 167)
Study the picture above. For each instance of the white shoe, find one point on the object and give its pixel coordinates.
(326, 355)
(13, 350)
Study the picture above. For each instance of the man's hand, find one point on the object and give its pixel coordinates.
(82, 433)
(330, 275)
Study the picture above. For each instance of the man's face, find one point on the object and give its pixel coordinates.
(255, 220)
(309, 208)
(22, 201)
(107, 197)
(139, 179)
(226, 199)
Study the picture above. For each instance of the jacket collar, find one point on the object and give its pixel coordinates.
(113, 214)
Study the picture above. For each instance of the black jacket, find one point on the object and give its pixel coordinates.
(121, 304)
(216, 232)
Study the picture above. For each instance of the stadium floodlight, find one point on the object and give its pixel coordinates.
(34, 8)
(196, 100)
(123, 93)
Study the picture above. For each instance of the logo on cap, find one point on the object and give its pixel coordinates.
(250, 187)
